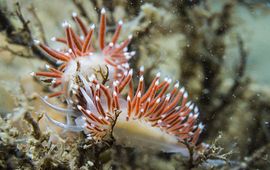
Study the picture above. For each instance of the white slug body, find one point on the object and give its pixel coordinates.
(140, 134)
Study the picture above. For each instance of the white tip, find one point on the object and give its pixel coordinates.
(158, 100)
(132, 53)
(177, 108)
(120, 22)
(103, 11)
(79, 107)
(182, 90)
(139, 94)
(88, 112)
(168, 96)
(196, 109)
(201, 126)
(142, 69)
(74, 14)
(97, 98)
(191, 106)
(53, 81)
(111, 44)
(36, 42)
(130, 72)
(65, 24)
(98, 86)
(158, 74)
(46, 97)
(185, 95)
(130, 37)
(128, 98)
(128, 57)
(141, 78)
(149, 99)
(33, 74)
(176, 85)
(47, 66)
(53, 39)
(157, 83)
(93, 26)
(169, 80)
(126, 65)
(70, 50)
(75, 86)
(114, 93)
(188, 103)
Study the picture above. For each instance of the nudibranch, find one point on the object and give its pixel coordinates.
(80, 55)
(102, 104)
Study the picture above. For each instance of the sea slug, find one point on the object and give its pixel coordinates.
(98, 86)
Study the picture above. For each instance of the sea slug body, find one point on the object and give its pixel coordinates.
(102, 98)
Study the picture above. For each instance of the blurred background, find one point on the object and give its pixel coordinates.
(218, 50)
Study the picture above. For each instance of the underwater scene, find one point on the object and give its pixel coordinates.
(135, 84)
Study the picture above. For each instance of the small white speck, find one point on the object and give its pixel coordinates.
(130, 72)
(120, 22)
(32, 73)
(53, 39)
(36, 42)
(185, 95)
(176, 85)
(74, 14)
(142, 69)
(111, 44)
(141, 78)
(132, 53)
(65, 24)
(92, 26)
(103, 11)
(139, 94)
(47, 66)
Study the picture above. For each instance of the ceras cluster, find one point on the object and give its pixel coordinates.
(97, 85)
